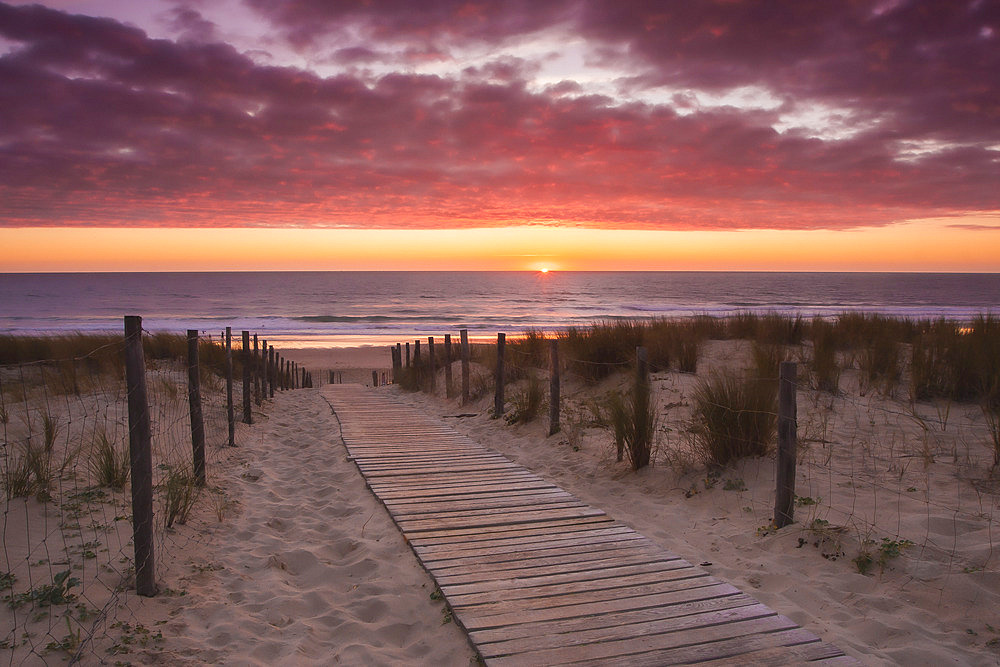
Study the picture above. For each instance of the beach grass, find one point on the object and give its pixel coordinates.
(734, 417)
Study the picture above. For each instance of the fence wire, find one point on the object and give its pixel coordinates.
(67, 575)
(879, 474)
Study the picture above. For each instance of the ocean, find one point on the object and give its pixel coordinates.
(329, 309)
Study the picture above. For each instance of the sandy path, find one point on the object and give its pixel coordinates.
(310, 569)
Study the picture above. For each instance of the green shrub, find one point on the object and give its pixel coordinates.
(528, 401)
(879, 364)
(180, 491)
(17, 482)
(109, 463)
(825, 369)
(633, 421)
(767, 358)
(734, 417)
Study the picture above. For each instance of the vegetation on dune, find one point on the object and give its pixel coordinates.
(734, 417)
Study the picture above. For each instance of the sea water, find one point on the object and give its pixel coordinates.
(352, 308)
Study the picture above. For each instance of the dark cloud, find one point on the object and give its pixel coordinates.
(100, 124)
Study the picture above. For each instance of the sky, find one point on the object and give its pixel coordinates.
(446, 134)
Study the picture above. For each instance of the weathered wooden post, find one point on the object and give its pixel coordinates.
(498, 397)
(449, 390)
(464, 340)
(265, 370)
(272, 374)
(247, 411)
(407, 354)
(784, 496)
(194, 402)
(418, 370)
(374, 378)
(140, 457)
(641, 397)
(553, 386)
(257, 366)
(430, 362)
(230, 411)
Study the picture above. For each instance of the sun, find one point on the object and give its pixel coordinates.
(544, 269)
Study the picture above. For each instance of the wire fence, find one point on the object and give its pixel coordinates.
(879, 473)
(68, 572)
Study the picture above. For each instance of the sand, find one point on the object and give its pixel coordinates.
(874, 471)
(300, 564)
(307, 569)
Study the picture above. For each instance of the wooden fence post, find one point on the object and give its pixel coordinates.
(407, 354)
(263, 368)
(272, 374)
(140, 457)
(194, 403)
(553, 386)
(784, 496)
(449, 390)
(464, 339)
(498, 397)
(430, 361)
(230, 411)
(247, 411)
(374, 378)
(256, 370)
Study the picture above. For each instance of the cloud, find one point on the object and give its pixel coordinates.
(101, 124)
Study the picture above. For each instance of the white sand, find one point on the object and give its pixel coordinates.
(307, 568)
(937, 604)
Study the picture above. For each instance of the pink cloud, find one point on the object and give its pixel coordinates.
(100, 124)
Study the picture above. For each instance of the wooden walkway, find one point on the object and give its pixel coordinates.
(538, 577)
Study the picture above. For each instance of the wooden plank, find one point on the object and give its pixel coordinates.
(696, 609)
(536, 575)
(555, 605)
(482, 618)
(786, 655)
(585, 535)
(544, 555)
(482, 574)
(686, 646)
(483, 533)
(502, 520)
(469, 596)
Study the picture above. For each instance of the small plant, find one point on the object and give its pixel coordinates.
(180, 493)
(826, 371)
(39, 462)
(527, 402)
(734, 484)
(109, 463)
(17, 482)
(50, 431)
(633, 422)
(880, 365)
(733, 418)
(767, 358)
(58, 592)
(864, 560)
(67, 644)
(890, 549)
(136, 635)
(805, 501)
(7, 580)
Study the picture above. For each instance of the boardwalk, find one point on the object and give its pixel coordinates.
(536, 576)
